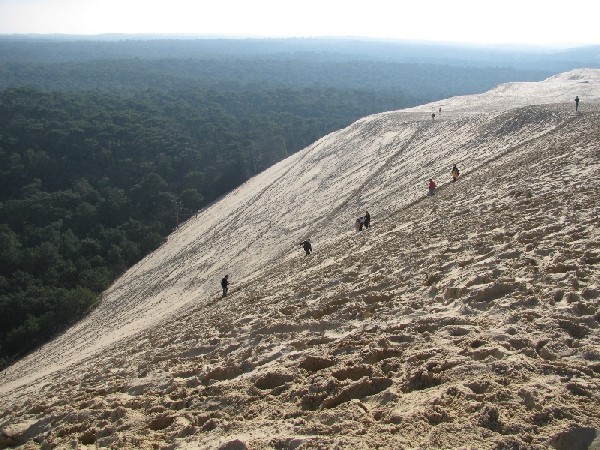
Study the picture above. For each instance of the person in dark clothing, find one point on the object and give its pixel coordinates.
(307, 247)
(576, 102)
(432, 116)
(225, 285)
(367, 220)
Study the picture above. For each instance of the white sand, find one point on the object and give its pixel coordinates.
(464, 320)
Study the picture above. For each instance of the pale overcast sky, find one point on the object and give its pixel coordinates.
(475, 21)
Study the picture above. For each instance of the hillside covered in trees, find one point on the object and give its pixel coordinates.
(106, 146)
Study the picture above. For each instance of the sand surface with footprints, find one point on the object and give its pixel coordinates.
(469, 319)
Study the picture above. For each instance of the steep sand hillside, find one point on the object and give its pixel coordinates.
(464, 320)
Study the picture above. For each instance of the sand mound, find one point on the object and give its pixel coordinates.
(469, 319)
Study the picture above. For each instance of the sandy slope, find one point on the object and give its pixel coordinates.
(469, 319)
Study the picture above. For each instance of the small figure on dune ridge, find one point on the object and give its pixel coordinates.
(576, 103)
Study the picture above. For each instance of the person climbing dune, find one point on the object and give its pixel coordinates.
(576, 103)
(455, 173)
(306, 245)
(431, 186)
(225, 285)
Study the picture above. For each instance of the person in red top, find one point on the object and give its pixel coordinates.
(431, 186)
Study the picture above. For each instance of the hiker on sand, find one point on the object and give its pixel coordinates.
(455, 173)
(307, 247)
(359, 224)
(431, 186)
(432, 116)
(367, 219)
(225, 285)
(576, 103)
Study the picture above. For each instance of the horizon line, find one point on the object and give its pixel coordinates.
(211, 36)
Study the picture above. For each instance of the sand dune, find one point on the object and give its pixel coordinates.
(464, 320)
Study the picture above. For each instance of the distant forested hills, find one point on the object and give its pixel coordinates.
(420, 82)
(106, 144)
(424, 72)
(57, 48)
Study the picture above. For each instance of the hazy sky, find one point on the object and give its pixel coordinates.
(477, 21)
